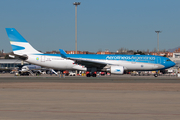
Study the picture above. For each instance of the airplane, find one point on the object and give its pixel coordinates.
(26, 52)
(26, 68)
(117, 64)
(30, 69)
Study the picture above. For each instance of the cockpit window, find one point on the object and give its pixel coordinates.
(168, 60)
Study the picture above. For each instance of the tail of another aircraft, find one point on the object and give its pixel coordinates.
(19, 45)
(63, 53)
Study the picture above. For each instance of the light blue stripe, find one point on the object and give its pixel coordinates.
(15, 47)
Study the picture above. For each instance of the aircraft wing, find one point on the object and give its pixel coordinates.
(82, 61)
(89, 63)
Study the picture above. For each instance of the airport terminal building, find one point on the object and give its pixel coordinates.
(10, 64)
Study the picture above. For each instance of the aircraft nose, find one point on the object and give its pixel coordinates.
(173, 64)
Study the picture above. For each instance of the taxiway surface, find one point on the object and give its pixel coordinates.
(79, 98)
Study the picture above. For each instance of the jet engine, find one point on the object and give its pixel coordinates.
(119, 70)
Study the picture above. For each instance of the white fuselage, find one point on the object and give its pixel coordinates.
(54, 62)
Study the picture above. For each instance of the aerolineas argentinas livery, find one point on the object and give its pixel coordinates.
(117, 64)
(26, 52)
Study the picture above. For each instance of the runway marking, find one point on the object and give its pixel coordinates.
(87, 112)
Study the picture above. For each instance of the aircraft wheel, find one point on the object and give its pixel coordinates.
(88, 75)
(94, 75)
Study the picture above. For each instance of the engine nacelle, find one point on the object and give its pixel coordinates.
(117, 70)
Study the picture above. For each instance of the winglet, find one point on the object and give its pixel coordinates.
(63, 53)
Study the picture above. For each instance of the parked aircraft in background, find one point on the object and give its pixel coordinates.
(26, 68)
(30, 69)
(27, 53)
(117, 64)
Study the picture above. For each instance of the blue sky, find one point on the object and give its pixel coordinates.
(102, 24)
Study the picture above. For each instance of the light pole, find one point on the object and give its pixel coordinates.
(158, 40)
(76, 4)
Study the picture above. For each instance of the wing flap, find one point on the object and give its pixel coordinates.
(89, 63)
(83, 61)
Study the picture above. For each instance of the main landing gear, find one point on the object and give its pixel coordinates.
(89, 74)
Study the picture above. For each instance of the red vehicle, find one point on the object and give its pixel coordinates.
(103, 73)
(108, 73)
(66, 72)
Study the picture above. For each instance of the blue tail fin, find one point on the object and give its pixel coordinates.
(14, 36)
(63, 53)
(19, 45)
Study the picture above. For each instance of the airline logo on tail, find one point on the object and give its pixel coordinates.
(19, 44)
(15, 47)
(15, 37)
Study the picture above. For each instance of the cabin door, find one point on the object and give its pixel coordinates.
(42, 58)
(158, 60)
